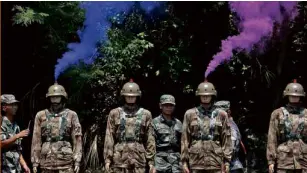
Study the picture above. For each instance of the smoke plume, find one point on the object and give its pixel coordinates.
(256, 21)
(96, 25)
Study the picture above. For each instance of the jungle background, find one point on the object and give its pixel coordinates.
(163, 52)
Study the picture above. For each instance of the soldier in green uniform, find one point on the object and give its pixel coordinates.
(287, 137)
(129, 143)
(206, 144)
(167, 132)
(11, 157)
(57, 136)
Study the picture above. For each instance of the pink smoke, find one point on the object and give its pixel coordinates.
(256, 21)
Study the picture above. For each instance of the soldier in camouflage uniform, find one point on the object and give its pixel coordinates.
(206, 137)
(11, 157)
(167, 132)
(235, 164)
(57, 136)
(129, 143)
(287, 137)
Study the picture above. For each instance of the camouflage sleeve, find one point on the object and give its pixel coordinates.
(226, 138)
(76, 135)
(36, 141)
(3, 132)
(150, 140)
(109, 138)
(185, 139)
(153, 125)
(272, 139)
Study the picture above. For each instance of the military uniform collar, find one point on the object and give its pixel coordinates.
(294, 109)
(48, 112)
(168, 122)
(130, 109)
(204, 111)
(7, 121)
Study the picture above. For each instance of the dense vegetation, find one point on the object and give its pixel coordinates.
(164, 52)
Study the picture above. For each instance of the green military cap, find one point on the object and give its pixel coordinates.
(8, 99)
(166, 98)
(224, 105)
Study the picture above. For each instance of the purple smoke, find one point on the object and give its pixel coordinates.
(256, 21)
(96, 25)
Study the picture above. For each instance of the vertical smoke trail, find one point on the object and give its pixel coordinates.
(256, 21)
(96, 25)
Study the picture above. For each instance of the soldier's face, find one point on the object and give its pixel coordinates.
(167, 109)
(294, 99)
(10, 108)
(130, 99)
(205, 99)
(55, 100)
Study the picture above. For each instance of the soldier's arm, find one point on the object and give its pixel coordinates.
(76, 135)
(109, 138)
(5, 141)
(36, 141)
(185, 140)
(22, 161)
(150, 140)
(272, 138)
(226, 138)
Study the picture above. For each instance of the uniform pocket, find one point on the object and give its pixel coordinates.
(164, 135)
(194, 127)
(117, 156)
(194, 155)
(283, 152)
(65, 153)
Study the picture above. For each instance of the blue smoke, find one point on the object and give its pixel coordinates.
(96, 25)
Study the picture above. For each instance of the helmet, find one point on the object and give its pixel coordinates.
(294, 89)
(131, 89)
(56, 90)
(223, 104)
(166, 98)
(8, 99)
(205, 88)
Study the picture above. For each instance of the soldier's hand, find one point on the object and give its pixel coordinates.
(107, 167)
(226, 168)
(77, 168)
(26, 168)
(34, 169)
(152, 169)
(271, 168)
(23, 133)
(185, 168)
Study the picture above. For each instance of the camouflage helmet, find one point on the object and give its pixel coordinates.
(131, 89)
(206, 88)
(56, 90)
(223, 104)
(294, 89)
(8, 99)
(167, 99)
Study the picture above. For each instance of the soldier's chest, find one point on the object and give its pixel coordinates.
(56, 125)
(164, 130)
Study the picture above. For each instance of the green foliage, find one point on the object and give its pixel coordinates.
(26, 16)
(169, 53)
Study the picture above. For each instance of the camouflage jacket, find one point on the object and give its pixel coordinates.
(167, 134)
(55, 144)
(206, 139)
(235, 138)
(287, 144)
(10, 156)
(129, 140)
